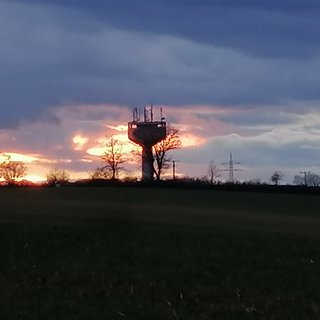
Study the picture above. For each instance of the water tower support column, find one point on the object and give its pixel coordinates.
(147, 163)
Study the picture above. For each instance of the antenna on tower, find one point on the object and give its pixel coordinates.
(231, 168)
(162, 118)
(145, 116)
(151, 112)
(136, 114)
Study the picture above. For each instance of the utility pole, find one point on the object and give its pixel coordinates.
(231, 168)
(174, 168)
(305, 173)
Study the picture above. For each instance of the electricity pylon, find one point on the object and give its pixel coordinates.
(231, 168)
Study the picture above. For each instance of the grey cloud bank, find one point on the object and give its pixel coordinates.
(56, 53)
(281, 26)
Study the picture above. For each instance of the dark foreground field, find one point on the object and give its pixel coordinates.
(139, 253)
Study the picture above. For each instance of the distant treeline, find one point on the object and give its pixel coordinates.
(196, 184)
(200, 185)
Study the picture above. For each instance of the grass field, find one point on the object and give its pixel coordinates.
(144, 253)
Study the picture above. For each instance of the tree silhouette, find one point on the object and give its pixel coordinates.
(313, 180)
(11, 171)
(100, 173)
(57, 176)
(213, 172)
(309, 179)
(276, 177)
(161, 151)
(113, 157)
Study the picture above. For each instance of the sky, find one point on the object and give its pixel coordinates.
(238, 77)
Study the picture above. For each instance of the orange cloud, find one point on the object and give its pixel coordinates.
(120, 128)
(190, 140)
(124, 143)
(14, 156)
(34, 178)
(77, 141)
(96, 151)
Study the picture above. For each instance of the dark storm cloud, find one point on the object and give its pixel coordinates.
(230, 53)
(267, 28)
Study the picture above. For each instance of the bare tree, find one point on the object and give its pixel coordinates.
(309, 179)
(298, 180)
(213, 172)
(57, 176)
(313, 180)
(276, 177)
(11, 171)
(100, 173)
(255, 182)
(161, 151)
(113, 158)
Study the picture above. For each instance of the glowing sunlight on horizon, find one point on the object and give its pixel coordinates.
(190, 140)
(83, 145)
(15, 156)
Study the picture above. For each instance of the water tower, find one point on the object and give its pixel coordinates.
(146, 134)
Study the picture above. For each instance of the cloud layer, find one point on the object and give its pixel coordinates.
(56, 53)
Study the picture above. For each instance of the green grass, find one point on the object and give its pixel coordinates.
(126, 253)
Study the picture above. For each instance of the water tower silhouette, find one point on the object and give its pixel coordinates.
(146, 134)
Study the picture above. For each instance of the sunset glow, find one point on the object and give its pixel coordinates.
(87, 145)
(79, 141)
(19, 157)
(126, 148)
(120, 128)
(34, 178)
(96, 151)
(189, 140)
(122, 140)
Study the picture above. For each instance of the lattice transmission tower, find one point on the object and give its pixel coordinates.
(231, 169)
